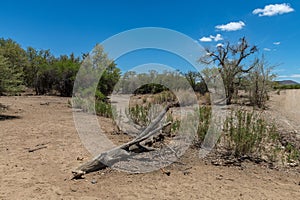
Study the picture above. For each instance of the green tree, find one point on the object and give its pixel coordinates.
(128, 82)
(16, 56)
(13, 60)
(196, 81)
(41, 73)
(66, 69)
(10, 80)
(31, 70)
(95, 79)
(45, 73)
(95, 66)
(260, 83)
(109, 79)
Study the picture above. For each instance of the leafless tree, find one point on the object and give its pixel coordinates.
(229, 60)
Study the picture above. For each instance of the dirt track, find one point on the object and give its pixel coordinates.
(45, 173)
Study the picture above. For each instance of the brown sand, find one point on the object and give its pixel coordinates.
(45, 173)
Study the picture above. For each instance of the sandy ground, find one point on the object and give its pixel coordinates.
(45, 173)
(286, 108)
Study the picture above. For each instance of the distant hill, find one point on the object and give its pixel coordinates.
(288, 82)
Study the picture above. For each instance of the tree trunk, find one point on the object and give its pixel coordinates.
(122, 152)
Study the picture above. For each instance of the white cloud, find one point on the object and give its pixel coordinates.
(205, 39)
(273, 9)
(232, 26)
(216, 38)
(283, 76)
(267, 49)
(277, 43)
(290, 76)
(219, 45)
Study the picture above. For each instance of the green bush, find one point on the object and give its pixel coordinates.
(102, 108)
(84, 104)
(245, 132)
(204, 122)
(165, 96)
(151, 88)
(140, 114)
(293, 154)
(175, 123)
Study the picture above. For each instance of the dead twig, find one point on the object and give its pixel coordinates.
(37, 148)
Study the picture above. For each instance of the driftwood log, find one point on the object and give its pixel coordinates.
(124, 151)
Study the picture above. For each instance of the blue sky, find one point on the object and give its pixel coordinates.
(77, 25)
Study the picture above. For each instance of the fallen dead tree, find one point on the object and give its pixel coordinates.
(124, 151)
